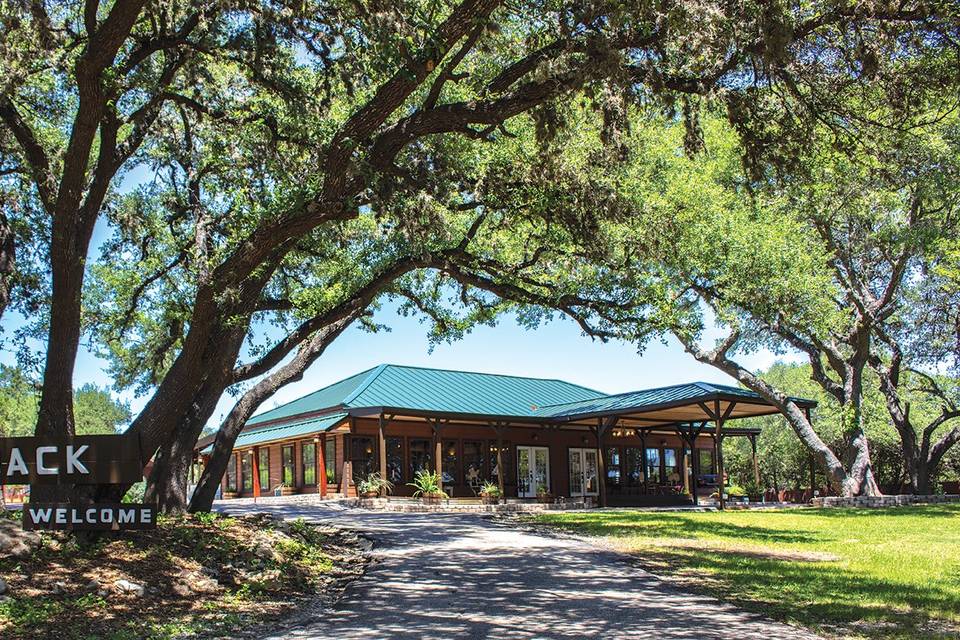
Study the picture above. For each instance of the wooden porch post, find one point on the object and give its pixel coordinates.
(601, 466)
(756, 465)
(255, 468)
(813, 462)
(320, 446)
(685, 464)
(696, 461)
(438, 453)
(719, 443)
(383, 452)
(643, 454)
(500, 480)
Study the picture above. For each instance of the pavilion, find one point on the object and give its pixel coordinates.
(656, 446)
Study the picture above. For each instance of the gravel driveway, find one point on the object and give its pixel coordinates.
(467, 576)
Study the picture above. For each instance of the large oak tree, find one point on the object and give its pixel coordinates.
(311, 156)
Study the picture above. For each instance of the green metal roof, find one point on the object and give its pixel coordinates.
(440, 390)
(330, 396)
(284, 431)
(445, 391)
(419, 389)
(640, 400)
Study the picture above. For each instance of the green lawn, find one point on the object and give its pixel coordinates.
(891, 573)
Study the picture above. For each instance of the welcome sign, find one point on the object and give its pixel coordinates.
(90, 517)
(102, 459)
(81, 460)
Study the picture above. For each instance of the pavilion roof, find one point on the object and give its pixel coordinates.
(418, 391)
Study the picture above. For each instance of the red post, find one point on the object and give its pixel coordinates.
(255, 452)
(320, 446)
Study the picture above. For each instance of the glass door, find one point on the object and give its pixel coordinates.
(533, 470)
(583, 472)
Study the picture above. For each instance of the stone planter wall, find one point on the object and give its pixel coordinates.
(883, 501)
(453, 506)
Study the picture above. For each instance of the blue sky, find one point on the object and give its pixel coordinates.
(555, 350)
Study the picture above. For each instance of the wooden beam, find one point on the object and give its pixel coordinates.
(498, 429)
(602, 427)
(643, 455)
(255, 469)
(320, 447)
(756, 465)
(719, 444)
(438, 452)
(383, 452)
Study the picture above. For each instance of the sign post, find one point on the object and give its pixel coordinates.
(80, 460)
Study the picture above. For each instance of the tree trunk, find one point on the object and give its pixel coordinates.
(858, 480)
(167, 484)
(232, 425)
(8, 260)
(55, 414)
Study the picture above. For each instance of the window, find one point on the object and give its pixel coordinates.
(420, 456)
(394, 459)
(671, 466)
(473, 464)
(232, 474)
(706, 461)
(289, 477)
(653, 465)
(632, 467)
(363, 457)
(308, 454)
(330, 459)
(246, 470)
(263, 467)
(451, 462)
(613, 466)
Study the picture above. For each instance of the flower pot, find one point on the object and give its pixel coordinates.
(489, 499)
(370, 494)
(545, 498)
(431, 498)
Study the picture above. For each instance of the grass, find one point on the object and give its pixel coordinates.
(891, 573)
(264, 569)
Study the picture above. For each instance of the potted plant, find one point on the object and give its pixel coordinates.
(543, 494)
(490, 493)
(373, 485)
(737, 493)
(754, 491)
(428, 487)
(284, 489)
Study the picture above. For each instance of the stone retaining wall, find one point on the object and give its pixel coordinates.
(452, 506)
(883, 501)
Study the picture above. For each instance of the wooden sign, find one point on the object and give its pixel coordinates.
(104, 459)
(89, 517)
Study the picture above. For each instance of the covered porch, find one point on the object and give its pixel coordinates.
(659, 447)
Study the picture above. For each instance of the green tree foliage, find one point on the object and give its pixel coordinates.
(311, 157)
(96, 410)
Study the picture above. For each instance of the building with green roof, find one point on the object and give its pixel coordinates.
(552, 439)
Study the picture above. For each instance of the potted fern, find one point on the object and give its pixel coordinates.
(373, 485)
(543, 494)
(428, 487)
(490, 493)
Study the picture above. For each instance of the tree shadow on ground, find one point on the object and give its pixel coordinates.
(681, 525)
(914, 511)
(815, 594)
